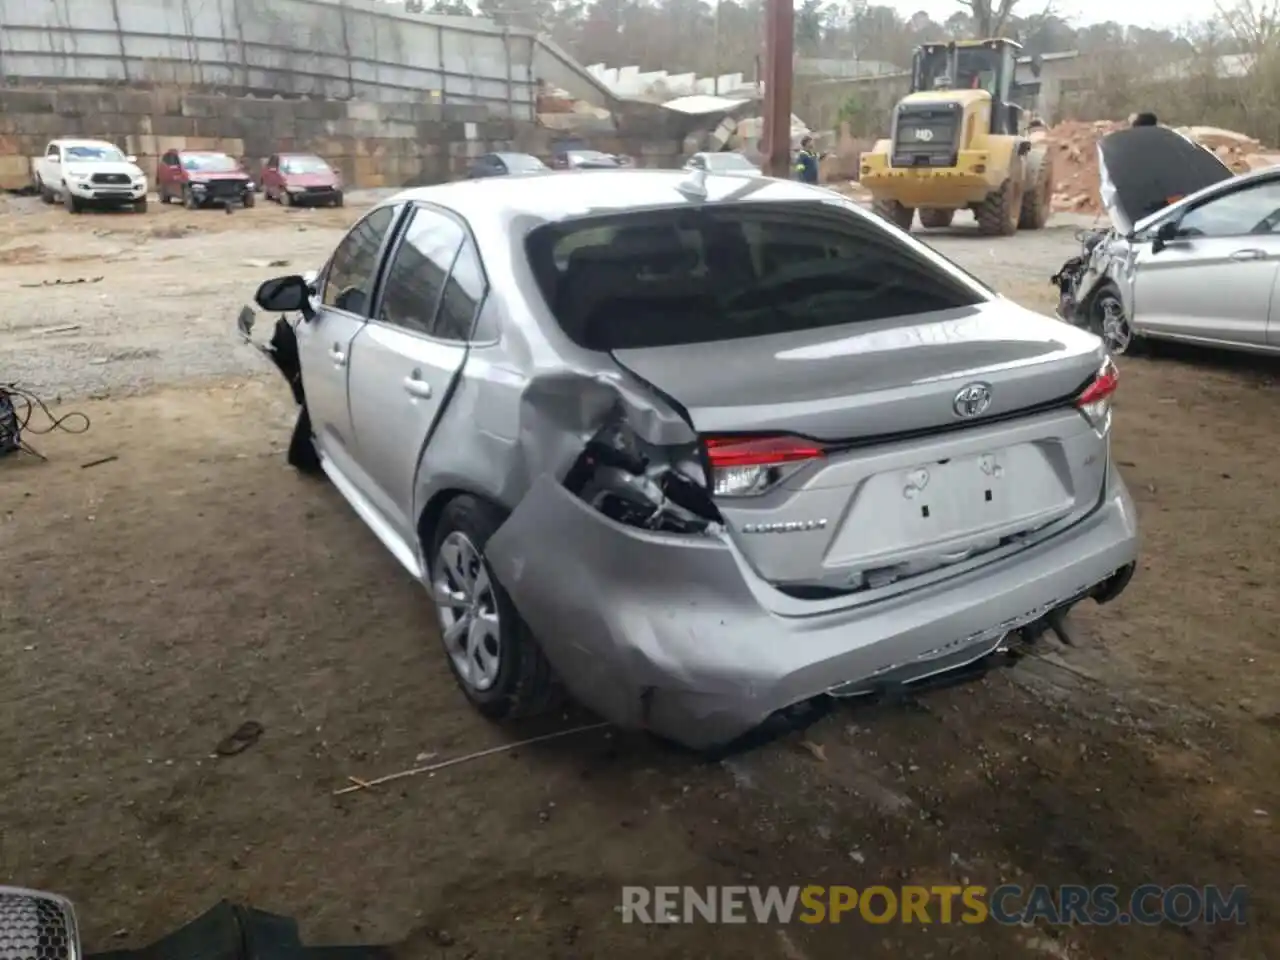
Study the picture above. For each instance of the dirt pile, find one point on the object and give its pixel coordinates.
(1075, 151)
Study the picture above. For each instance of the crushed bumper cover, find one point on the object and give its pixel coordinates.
(675, 633)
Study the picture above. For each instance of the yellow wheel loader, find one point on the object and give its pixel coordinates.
(961, 139)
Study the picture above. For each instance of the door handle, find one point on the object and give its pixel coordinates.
(417, 388)
(337, 356)
(1253, 254)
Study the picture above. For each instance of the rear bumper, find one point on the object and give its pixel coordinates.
(673, 634)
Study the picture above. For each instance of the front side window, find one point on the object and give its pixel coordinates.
(1253, 210)
(348, 283)
(693, 275)
(416, 278)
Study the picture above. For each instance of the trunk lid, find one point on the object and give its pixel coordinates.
(908, 482)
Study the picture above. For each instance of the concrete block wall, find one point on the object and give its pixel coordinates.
(373, 144)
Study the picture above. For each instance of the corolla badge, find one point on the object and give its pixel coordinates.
(924, 133)
(972, 400)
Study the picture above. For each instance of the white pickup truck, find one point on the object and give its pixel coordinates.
(82, 173)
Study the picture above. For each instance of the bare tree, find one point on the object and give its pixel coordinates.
(989, 17)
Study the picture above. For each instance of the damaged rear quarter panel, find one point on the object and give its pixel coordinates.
(523, 408)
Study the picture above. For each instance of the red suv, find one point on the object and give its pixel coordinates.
(199, 178)
(298, 178)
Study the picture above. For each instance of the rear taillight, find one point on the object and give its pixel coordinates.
(1095, 401)
(749, 466)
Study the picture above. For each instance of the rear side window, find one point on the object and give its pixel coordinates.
(416, 280)
(666, 277)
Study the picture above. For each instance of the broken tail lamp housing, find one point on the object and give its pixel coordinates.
(1095, 400)
(749, 466)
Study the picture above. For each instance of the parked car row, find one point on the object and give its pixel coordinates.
(94, 173)
(504, 164)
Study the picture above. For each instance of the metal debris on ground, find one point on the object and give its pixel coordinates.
(432, 768)
(244, 737)
(63, 283)
(99, 462)
(819, 752)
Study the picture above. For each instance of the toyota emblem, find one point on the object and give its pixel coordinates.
(924, 133)
(972, 400)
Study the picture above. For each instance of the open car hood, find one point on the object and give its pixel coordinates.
(1144, 169)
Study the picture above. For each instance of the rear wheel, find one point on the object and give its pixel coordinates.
(997, 215)
(249, 198)
(338, 200)
(893, 211)
(491, 651)
(935, 218)
(1037, 197)
(164, 196)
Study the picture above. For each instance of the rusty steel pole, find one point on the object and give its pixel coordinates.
(779, 44)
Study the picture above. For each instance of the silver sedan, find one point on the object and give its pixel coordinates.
(700, 449)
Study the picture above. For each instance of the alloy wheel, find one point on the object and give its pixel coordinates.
(469, 622)
(1113, 324)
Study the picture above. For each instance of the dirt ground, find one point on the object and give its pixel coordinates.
(154, 603)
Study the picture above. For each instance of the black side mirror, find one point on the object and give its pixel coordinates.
(1165, 234)
(285, 295)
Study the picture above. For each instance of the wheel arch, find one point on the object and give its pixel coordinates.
(434, 507)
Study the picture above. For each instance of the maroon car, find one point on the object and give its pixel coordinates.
(199, 178)
(298, 178)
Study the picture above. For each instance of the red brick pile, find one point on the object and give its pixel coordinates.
(1075, 153)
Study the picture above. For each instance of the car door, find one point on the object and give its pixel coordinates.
(346, 291)
(404, 362)
(1213, 282)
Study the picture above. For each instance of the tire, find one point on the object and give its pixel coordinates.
(286, 198)
(997, 215)
(339, 200)
(1037, 195)
(522, 684)
(936, 218)
(302, 454)
(189, 199)
(164, 196)
(893, 211)
(1116, 332)
(140, 206)
(71, 202)
(46, 195)
(249, 199)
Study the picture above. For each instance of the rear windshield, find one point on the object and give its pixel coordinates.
(665, 277)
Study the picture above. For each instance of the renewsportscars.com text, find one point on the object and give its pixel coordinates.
(1010, 904)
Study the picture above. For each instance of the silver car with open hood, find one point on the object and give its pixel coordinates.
(1192, 252)
(699, 448)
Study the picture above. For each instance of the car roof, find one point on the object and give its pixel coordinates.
(583, 193)
(513, 155)
(86, 143)
(203, 153)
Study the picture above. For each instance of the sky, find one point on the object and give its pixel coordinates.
(1140, 13)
